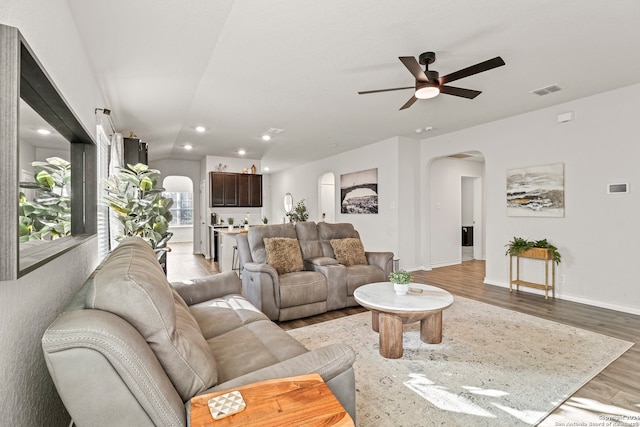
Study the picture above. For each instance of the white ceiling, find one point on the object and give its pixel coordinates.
(241, 67)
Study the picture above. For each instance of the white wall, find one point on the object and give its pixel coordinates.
(379, 232)
(467, 201)
(28, 305)
(408, 227)
(597, 234)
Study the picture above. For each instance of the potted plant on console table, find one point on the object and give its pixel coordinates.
(400, 280)
(537, 249)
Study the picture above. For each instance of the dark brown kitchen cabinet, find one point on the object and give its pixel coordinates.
(135, 151)
(235, 189)
(250, 190)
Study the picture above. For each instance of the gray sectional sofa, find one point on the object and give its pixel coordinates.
(132, 349)
(317, 284)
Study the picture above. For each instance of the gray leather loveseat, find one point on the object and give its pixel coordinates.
(293, 271)
(132, 349)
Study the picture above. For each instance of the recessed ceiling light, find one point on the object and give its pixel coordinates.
(334, 145)
(242, 152)
(200, 128)
(266, 168)
(188, 147)
(44, 131)
(266, 137)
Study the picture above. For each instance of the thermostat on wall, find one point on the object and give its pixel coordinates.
(618, 188)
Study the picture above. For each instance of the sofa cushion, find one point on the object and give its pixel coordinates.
(258, 233)
(349, 251)
(307, 233)
(283, 254)
(328, 231)
(252, 347)
(300, 288)
(132, 285)
(221, 315)
(358, 275)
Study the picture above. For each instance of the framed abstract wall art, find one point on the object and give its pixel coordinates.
(536, 191)
(359, 192)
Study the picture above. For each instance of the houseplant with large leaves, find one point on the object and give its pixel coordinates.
(46, 216)
(139, 206)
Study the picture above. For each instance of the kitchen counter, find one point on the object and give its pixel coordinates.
(226, 242)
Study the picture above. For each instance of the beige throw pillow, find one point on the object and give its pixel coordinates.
(349, 251)
(283, 254)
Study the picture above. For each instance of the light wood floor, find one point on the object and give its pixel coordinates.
(616, 390)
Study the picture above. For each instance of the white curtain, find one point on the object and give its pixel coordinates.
(103, 210)
(116, 159)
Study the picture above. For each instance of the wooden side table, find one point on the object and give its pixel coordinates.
(535, 253)
(295, 402)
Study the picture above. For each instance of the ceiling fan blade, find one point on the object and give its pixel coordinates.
(414, 68)
(409, 103)
(364, 92)
(474, 69)
(458, 91)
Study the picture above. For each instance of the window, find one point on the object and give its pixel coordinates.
(182, 208)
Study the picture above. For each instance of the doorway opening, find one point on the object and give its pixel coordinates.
(180, 189)
(456, 228)
(327, 197)
(471, 218)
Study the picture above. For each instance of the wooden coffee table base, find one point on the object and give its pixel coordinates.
(389, 327)
(390, 311)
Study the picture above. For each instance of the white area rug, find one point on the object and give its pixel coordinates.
(494, 367)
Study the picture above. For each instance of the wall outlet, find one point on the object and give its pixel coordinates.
(563, 278)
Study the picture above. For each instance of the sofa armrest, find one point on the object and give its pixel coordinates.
(384, 260)
(328, 361)
(90, 351)
(209, 287)
(261, 286)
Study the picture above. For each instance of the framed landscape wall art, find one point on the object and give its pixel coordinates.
(359, 192)
(536, 191)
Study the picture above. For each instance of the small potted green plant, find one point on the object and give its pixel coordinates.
(230, 221)
(298, 213)
(400, 280)
(518, 246)
(265, 220)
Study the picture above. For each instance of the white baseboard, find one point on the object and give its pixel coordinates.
(415, 268)
(447, 263)
(559, 295)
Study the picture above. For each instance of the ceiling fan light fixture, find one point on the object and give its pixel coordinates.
(427, 92)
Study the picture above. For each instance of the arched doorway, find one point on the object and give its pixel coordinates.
(327, 197)
(180, 189)
(457, 202)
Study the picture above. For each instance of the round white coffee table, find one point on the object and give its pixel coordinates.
(390, 311)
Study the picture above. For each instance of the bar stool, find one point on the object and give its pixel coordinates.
(235, 261)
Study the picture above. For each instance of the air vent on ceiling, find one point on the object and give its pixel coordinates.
(546, 90)
(274, 131)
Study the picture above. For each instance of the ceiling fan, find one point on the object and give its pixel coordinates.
(429, 84)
